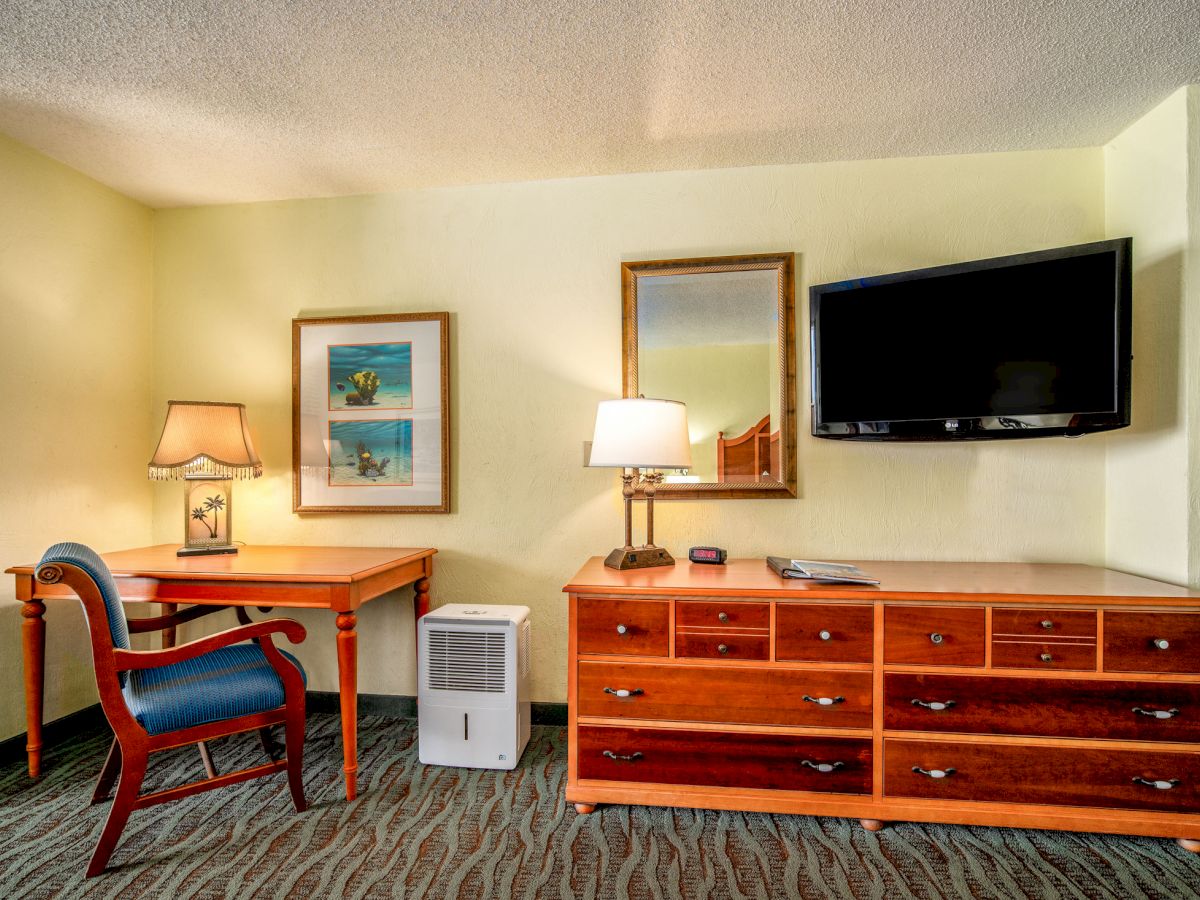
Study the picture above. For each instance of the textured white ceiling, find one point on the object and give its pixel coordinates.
(202, 101)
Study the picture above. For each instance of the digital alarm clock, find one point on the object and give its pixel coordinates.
(712, 555)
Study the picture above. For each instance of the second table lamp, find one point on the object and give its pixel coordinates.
(636, 434)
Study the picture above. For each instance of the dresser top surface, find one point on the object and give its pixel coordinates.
(980, 581)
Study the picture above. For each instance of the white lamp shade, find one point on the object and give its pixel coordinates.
(637, 433)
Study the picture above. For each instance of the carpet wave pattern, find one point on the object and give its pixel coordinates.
(425, 831)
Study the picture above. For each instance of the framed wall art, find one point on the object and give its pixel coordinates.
(371, 414)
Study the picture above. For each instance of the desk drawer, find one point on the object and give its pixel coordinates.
(1062, 776)
(738, 695)
(1042, 707)
(734, 760)
(1132, 642)
(623, 627)
(934, 635)
(824, 632)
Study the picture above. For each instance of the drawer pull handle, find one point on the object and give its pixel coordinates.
(1046, 657)
(1161, 643)
(632, 757)
(621, 629)
(1047, 624)
(1156, 713)
(936, 638)
(1160, 785)
(934, 773)
(724, 617)
(622, 692)
(822, 767)
(934, 705)
(824, 701)
(722, 648)
(824, 635)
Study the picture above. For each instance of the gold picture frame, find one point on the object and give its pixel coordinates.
(371, 414)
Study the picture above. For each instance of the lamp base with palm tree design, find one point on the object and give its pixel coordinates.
(208, 516)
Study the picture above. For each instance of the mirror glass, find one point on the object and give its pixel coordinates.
(716, 334)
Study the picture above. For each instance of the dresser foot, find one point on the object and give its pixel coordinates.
(872, 824)
(1191, 845)
(585, 808)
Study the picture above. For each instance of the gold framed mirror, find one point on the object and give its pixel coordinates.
(719, 334)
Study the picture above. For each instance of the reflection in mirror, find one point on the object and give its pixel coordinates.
(709, 340)
(717, 335)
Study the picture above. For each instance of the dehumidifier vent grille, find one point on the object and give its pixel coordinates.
(524, 654)
(466, 661)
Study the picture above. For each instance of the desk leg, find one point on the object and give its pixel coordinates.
(347, 654)
(420, 606)
(33, 639)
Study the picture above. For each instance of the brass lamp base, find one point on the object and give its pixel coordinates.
(629, 556)
(638, 558)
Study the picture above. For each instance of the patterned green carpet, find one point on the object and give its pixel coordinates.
(419, 831)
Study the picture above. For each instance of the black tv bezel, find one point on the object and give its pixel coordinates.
(952, 428)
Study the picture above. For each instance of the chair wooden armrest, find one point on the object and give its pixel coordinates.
(158, 623)
(127, 660)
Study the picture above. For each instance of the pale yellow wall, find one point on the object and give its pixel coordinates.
(530, 274)
(75, 329)
(1146, 196)
(1191, 303)
(727, 387)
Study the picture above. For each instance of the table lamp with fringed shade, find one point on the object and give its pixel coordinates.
(208, 445)
(635, 434)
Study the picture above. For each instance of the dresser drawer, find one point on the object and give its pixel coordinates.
(711, 629)
(1044, 639)
(824, 632)
(738, 695)
(715, 759)
(1134, 642)
(934, 635)
(730, 615)
(1030, 654)
(1042, 707)
(1043, 624)
(703, 645)
(624, 627)
(1061, 776)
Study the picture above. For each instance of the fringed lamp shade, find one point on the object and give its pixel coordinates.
(202, 438)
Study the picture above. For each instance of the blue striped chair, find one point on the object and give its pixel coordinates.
(159, 699)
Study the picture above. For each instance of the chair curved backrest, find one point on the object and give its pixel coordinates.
(89, 561)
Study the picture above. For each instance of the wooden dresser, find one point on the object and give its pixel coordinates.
(1040, 696)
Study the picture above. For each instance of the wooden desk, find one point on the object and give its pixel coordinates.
(340, 579)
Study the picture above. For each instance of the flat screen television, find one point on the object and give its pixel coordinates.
(1031, 345)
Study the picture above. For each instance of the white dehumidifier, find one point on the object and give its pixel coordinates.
(473, 691)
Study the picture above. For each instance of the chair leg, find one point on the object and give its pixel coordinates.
(108, 774)
(294, 739)
(133, 770)
(210, 768)
(268, 742)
